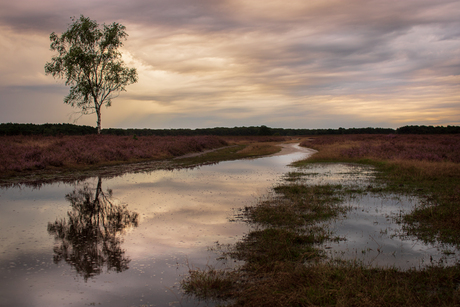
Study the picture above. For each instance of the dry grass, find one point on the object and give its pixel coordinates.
(28, 141)
(259, 149)
(329, 152)
(433, 148)
(239, 140)
(28, 153)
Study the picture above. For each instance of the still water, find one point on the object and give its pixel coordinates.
(370, 231)
(130, 239)
(125, 241)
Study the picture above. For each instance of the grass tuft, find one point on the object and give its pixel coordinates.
(210, 283)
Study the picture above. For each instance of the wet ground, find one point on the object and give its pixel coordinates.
(128, 240)
(371, 232)
(124, 241)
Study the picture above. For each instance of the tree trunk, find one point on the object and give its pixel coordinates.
(98, 112)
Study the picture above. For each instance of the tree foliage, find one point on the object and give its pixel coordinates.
(89, 60)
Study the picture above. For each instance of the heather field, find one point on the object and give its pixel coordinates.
(29, 153)
(432, 148)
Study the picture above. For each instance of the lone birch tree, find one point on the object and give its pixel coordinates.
(89, 61)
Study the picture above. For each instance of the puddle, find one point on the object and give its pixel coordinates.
(124, 241)
(372, 234)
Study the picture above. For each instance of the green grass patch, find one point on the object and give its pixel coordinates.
(262, 249)
(235, 152)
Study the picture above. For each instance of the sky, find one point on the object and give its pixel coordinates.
(226, 63)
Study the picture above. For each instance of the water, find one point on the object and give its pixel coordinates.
(129, 240)
(124, 241)
(372, 234)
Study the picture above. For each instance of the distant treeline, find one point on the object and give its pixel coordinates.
(247, 131)
(428, 130)
(70, 129)
(45, 129)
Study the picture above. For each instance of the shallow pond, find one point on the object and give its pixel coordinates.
(125, 241)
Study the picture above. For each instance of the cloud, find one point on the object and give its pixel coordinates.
(379, 58)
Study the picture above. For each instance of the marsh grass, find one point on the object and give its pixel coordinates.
(210, 283)
(297, 176)
(349, 284)
(427, 166)
(283, 264)
(299, 206)
(286, 236)
(286, 227)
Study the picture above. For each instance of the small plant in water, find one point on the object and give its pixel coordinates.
(210, 283)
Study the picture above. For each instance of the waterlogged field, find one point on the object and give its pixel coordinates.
(365, 221)
(371, 230)
(380, 232)
(427, 165)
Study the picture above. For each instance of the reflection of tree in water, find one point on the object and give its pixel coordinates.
(90, 236)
